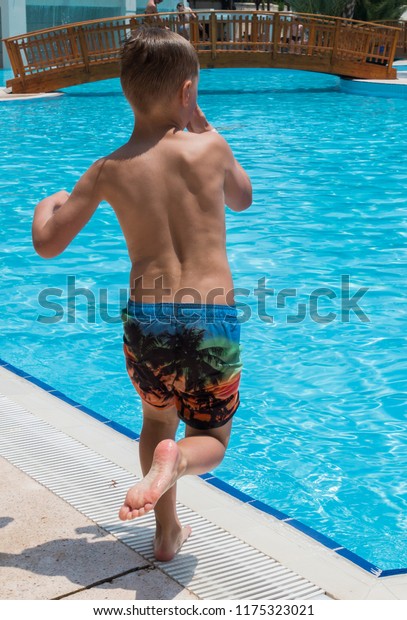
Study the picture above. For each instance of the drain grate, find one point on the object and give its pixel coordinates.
(212, 563)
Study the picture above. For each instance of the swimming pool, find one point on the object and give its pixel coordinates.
(321, 432)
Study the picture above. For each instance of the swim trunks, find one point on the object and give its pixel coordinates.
(187, 355)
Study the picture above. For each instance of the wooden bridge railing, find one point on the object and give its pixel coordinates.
(88, 51)
(401, 50)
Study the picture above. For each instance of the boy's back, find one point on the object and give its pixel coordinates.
(168, 195)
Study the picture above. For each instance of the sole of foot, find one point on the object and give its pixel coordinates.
(143, 496)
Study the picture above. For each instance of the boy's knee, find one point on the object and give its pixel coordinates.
(155, 415)
(221, 434)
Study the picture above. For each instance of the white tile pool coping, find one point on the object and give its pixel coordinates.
(334, 574)
(7, 95)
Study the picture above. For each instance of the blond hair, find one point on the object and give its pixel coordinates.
(155, 62)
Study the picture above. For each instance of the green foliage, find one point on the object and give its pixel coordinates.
(375, 10)
(365, 10)
(323, 7)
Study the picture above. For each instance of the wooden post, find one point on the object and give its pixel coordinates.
(276, 34)
(84, 47)
(336, 42)
(72, 37)
(255, 32)
(392, 52)
(16, 61)
(213, 31)
(194, 32)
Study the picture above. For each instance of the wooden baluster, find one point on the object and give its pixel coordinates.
(255, 32)
(71, 37)
(99, 42)
(311, 39)
(194, 32)
(64, 47)
(28, 55)
(335, 46)
(392, 53)
(84, 47)
(276, 35)
(269, 34)
(53, 48)
(16, 59)
(213, 34)
(104, 35)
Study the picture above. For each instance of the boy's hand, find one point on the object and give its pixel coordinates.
(198, 122)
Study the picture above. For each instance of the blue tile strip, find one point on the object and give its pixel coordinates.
(321, 538)
(356, 559)
(227, 488)
(123, 430)
(395, 571)
(218, 483)
(281, 516)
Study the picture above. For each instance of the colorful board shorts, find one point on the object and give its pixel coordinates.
(187, 355)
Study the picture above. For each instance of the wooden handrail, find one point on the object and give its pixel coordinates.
(401, 49)
(87, 51)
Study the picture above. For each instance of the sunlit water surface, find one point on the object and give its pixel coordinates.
(321, 432)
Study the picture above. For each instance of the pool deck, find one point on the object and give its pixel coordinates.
(390, 89)
(44, 536)
(7, 95)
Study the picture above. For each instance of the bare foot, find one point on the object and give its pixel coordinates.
(143, 496)
(167, 547)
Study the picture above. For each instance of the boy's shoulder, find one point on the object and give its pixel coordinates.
(209, 147)
(207, 141)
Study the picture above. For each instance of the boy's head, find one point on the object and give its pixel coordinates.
(155, 63)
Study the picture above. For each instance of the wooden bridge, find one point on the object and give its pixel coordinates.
(46, 60)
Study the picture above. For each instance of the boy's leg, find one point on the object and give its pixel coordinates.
(197, 453)
(158, 425)
(203, 450)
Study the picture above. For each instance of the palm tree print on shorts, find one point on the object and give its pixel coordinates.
(184, 365)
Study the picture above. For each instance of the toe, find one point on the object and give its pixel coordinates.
(123, 513)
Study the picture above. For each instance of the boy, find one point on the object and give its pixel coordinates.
(168, 188)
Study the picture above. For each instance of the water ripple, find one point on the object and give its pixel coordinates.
(321, 432)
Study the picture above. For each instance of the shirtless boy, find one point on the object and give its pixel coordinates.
(168, 188)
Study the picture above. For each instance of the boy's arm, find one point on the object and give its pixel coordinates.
(237, 187)
(60, 217)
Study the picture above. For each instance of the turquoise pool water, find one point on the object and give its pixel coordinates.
(321, 432)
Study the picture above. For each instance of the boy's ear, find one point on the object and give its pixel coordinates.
(186, 91)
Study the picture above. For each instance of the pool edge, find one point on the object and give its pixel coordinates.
(217, 484)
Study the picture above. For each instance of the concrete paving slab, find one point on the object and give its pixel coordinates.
(143, 585)
(49, 549)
